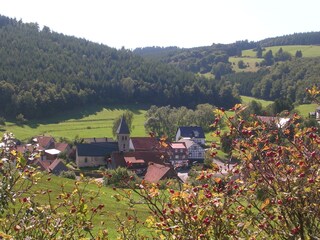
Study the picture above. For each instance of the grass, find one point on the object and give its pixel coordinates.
(264, 103)
(249, 61)
(305, 109)
(307, 50)
(112, 207)
(91, 122)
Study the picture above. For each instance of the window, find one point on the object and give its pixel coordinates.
(125, 137)
(176, 156)
(200, 154)
(124, 146)
(122, 138)
(86, 160)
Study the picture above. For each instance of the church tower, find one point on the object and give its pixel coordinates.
(123, 135)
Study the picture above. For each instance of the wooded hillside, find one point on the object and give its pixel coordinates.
(42, 72)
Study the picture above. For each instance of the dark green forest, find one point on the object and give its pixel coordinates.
(43, 72)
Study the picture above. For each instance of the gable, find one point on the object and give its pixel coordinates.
(191, 132)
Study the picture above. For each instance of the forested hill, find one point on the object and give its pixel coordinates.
(308, 38)
(42, 72)
(214, 58)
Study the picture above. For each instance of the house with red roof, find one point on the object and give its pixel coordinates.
(137, 161)
(156, 172)
(139, 144)
(178, 154)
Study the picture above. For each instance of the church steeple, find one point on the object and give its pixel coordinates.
(123, 135)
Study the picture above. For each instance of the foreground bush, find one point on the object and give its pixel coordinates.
(273, 192)
(23, 216)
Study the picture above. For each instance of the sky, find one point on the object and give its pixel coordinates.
(182, 23)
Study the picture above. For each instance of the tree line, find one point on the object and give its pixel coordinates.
(164, 121)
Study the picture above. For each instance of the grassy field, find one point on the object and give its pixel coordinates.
(304, 109)
(264, 103)
(91, 122)
(249, 61)
(112, 208)
(307, 50)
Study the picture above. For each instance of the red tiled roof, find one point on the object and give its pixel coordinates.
(24, 148)
(266, 119)
(147, 156)
(61, 146)
(57, 163)
(156, 172)
(44, 141)
(145, 143)
(178, 145)
(133, 160)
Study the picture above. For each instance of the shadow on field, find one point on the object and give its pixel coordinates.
(78, 113)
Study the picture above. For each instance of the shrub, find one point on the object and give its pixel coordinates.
(119, 177)
(273, 192)
(68, 174)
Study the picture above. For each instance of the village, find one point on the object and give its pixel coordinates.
(150, 158)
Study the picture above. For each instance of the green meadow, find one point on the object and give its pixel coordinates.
(112, 209)
(307, 50)
(98, 121)
(305, 109)
(249, 61)
(246, 100)
(89, 122)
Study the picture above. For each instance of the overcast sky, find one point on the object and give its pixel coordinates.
(182, 23)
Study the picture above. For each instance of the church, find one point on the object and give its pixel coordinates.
(96, 152)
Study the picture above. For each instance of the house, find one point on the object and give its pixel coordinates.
(277, 121)
(144, 144)
(44, 142)
(56, 166)
(195, 151)
(156, 172)
(194, 133)
(49, 148)
(137, 161)
(178, 154)
(99, 150)
(95, 154)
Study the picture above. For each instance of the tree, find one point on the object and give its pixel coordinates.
(268, 58)
(241, 64)
(259, 52)
(271, 193)
(20, 119)
(128, 116)
(221, 69)
(298, 54)
(2, 121)
(282, 56)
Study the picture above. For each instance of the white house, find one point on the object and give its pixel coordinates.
(194, 133)
(195, 151)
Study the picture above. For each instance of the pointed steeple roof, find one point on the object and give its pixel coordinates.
(123, 127)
